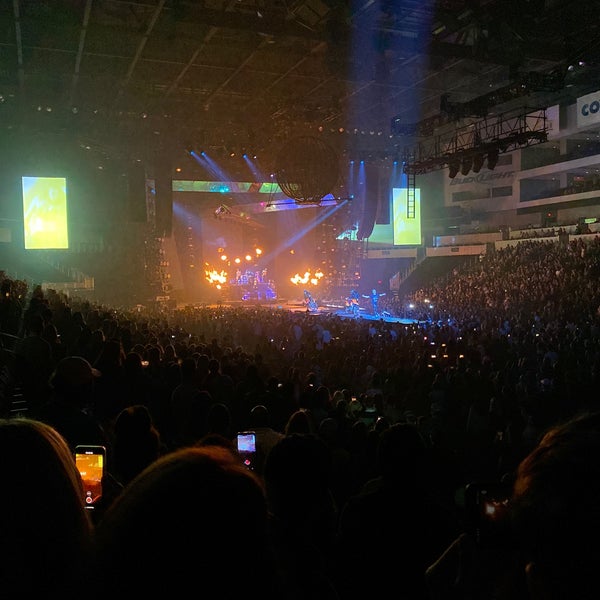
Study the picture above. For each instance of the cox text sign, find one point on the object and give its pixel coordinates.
(588, 109)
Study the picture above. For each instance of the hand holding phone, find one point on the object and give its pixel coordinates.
(488, 506)
(246, 445)
(91, 463)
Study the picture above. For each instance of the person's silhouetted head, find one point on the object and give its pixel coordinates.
(45, 530)
(297, 476)
(259, 416)
(401, 453)
(299, 422)
(136, 442)
(194, 520)
(73, 376)
(219, 420)
(556, 511)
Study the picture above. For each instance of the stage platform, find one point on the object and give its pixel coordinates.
(322, 310)
(385, 317)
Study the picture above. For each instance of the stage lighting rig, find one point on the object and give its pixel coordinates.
(222, 210)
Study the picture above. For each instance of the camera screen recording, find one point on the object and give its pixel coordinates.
(90, 464)
(246, 445)
(493, 508)
(489, 508)
(246, 442)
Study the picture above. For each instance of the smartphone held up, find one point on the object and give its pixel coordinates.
(91, 463)
(488, 507)
(246, 446)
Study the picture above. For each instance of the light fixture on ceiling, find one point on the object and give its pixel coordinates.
(453, 168)
(492, 158)
(478, 162)
(466, 165)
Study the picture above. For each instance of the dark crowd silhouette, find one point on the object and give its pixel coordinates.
(456, 456)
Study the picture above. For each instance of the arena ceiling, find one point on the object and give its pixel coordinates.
(156, 78)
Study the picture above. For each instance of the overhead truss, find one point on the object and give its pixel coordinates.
(499, 134)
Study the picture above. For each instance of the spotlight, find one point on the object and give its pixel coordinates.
(492, 158)
(453, 168)
(478, 162)
(467, 163)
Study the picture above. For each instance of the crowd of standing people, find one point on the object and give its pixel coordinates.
(368, 435)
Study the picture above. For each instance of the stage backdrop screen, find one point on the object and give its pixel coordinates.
(407, 227)
(45, 213)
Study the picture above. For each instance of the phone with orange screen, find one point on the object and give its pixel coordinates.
(91, 463)
(488, 507)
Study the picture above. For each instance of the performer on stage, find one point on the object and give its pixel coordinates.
(374, 297)
(310, 302)
(352, 305)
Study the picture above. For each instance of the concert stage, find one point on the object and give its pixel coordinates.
(325, 309)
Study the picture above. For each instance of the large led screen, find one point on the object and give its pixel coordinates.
(45, 213)
(406, 219)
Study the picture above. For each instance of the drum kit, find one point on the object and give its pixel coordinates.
(255, 285)
(249, 278)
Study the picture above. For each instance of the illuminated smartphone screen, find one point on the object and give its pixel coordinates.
(91, 469)
(246, 442)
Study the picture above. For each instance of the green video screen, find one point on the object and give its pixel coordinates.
(45, 213)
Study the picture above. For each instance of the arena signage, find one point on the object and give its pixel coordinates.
(482, 177)
(588, 109)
